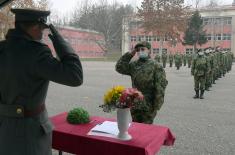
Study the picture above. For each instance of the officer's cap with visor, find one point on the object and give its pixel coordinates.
(143, 44)
(31, 15)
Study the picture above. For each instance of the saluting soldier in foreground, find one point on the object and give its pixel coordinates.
(148, 77)
(26, 67)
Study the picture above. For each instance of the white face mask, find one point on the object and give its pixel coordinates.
(200, 53)
(143, 55)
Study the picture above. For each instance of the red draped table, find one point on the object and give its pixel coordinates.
(146, 139)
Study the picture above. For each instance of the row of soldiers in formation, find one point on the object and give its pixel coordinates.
(208, 66)
(178, 58)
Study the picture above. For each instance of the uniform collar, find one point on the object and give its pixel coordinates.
(18, 33)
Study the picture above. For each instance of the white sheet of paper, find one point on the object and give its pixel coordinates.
(106, 127)
(101, 134)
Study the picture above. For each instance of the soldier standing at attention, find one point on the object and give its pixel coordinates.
(199, 70)
(148, 77)
(209, 69)
(26, 67)
(189, 59)
(178, 60)
(157, 57)
(171, 58)
(164, 59)
(184, 59)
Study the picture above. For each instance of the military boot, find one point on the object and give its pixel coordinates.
(197, 94)
(202, 94)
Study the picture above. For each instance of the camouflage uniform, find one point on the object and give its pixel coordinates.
(189, 59)
(199, 70)
(148, 77)
(209, 71)
(184, 59)
(164, 59)
(178, 61)
(157, 58)
(225, 62)
(171, 58)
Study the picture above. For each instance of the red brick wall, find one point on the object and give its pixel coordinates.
(83, 42)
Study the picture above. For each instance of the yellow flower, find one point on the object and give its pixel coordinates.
(113, 94)
(119, 89)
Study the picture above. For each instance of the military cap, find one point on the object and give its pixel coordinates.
(30, 15)
(143, 44)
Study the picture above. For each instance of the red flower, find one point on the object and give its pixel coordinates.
(128, 97)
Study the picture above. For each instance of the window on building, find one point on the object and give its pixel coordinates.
(205, 21)
(189, 49)
(226, 36)
(158, 38)
(217, 21)
(229, 37)
(133, 38)
(208, 37)
(164, 50)
(218, 37)
(148, 38)
(227, 20)
(138, 38)
(154, 38)
(155, 50)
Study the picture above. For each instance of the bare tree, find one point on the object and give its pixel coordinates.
(164, 18)
(102, 17)
(196, 3)
(213, 3)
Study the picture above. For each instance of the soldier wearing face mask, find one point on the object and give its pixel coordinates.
(199, 70)
(148, 77)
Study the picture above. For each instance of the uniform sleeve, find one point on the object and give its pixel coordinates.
(67, 71)
(123, 65)
(160, 83)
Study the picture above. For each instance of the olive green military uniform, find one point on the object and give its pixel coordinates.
(178, 61)
(199, 70)
(157, 58)
(209, 71)
(189, 58)
(149, 78)
(184, 59)
(171, 58)
(26, 67)
(164, 59)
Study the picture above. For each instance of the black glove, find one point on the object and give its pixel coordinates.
(62, 47)
(54, 36)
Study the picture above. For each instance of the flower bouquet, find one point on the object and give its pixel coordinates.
(119, 97)
(122, 99)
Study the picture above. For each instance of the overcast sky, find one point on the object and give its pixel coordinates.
(65, 6)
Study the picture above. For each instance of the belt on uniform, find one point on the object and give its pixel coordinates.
(19, 111)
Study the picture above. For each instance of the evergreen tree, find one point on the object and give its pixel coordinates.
(194, 33)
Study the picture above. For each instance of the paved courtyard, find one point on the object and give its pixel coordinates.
(201, 127)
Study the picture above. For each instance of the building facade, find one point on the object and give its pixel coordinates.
(86, 43)
(219, 24)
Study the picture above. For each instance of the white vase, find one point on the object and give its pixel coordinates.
(123, 121)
